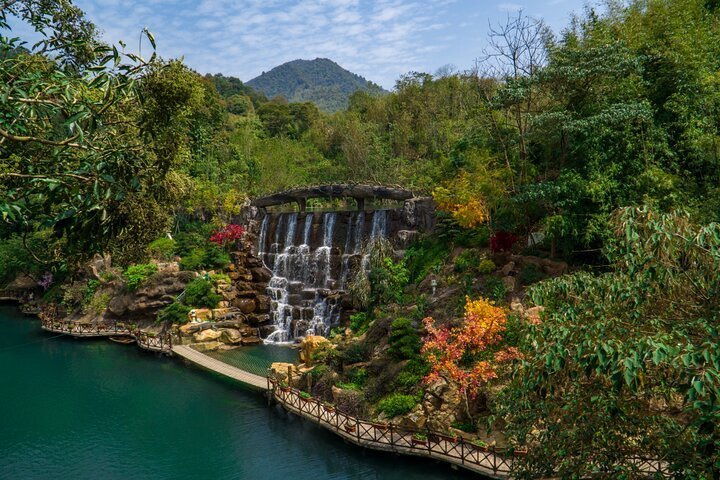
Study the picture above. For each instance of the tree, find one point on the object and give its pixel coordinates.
(90, 138)
(625, 364)
(467, 354)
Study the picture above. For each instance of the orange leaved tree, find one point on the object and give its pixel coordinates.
(468, 354)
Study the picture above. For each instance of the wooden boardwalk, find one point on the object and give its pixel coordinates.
(255, 381)
(145, 340)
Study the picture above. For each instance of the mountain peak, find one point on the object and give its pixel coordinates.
(321, 81)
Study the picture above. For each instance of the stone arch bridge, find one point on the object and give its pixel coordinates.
(357, 191)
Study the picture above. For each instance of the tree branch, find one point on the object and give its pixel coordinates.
(69, 175)
(64, 143)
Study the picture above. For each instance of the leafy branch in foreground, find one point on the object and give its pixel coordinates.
(626, 364)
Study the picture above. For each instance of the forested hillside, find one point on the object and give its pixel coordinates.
(320, 81)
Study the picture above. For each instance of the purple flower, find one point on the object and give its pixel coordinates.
(46, 280)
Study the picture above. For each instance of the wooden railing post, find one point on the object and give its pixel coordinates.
(462, 450)
(392, 438)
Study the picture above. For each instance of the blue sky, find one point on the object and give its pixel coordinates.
(379, 39)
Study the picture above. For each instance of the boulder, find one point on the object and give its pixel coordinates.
(207, 346)
(309, 345)
(509, 283)
(230, 336)
(208, 335)
(261, 274)
(532, 315)
(263, 304)
(281, 370)
(508, 268)
(246, 305)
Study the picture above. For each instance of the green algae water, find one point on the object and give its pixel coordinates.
(93, 409)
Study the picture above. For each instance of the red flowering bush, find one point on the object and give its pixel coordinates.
(502, 242)
(229, 234)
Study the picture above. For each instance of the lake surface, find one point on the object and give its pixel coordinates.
(93, 409)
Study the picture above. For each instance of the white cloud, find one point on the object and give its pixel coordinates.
(379, 39)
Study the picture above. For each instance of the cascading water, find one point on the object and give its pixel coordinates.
(311, 258)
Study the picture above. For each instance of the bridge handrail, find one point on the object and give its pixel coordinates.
(146, 340)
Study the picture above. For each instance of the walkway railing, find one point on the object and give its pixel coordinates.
(157, 343)
(388, 437)
(486, 460)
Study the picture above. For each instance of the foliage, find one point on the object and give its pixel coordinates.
(200, 293)
(162, 249)
(403, 339)
(530, 274)
(412, 374)
(461, 353)
(625, 363)
(135, 275)
(205, 258)
(462, 199)
(425, 255)
(15, 258)
(495, 289)
(98, 303)
(355, 352)
(383, 281)
(176, 314)
(467, 427)
(397, 404)
(486, 266)
(502, 241)
(359, 322)
(228, 235)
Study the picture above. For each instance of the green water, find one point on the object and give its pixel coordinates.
(93, 409)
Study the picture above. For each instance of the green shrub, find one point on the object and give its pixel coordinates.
(466, 261)
(530, 274)
(403, 339)
(358, 376)
(97, 304)
(467, 427)
(175, 313)
(397, 404)
(355, 352)
(162, 249)
(15, 258)
(486, 267)
(424, 256)
(327, 354)
(90, 288)
(200, 293)
(495, 289)
(412, 374)
(319, 371)
(204, 258)
(135, 275)
(359, 322)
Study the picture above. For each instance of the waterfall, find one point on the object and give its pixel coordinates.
(263, 234)
(379, 224)
(309, 269)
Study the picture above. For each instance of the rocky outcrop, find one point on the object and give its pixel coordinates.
(156, 293)
(310, 345)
